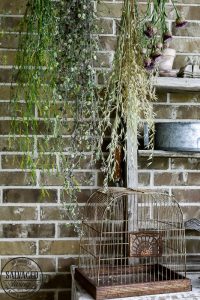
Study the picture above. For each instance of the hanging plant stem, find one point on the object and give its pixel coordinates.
(35, 77)
(129, 93)
(77, 86)
(56, 85)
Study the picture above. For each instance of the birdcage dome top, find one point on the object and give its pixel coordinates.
(103, 199)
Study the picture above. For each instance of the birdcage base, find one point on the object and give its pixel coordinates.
(133, 281)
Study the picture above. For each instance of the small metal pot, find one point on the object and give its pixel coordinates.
(177, 136)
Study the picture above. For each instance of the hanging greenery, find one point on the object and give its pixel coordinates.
(129, 94)
(65, 120)
(56, 85)
(36, 83)
(77, 28)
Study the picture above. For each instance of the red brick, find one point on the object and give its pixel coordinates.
(192, 29)
(16, 178)
(192, 246)
(29, 196)
(59, 247)
(107, 43)
(186, 195)
(188, 44)
(169, 179)
(82, 196)
(177, 178)
(105, 26)
(143, 179)
(9, 40)
(12, 6)
(68, 230)
(161, 96)
(17, 213)
(45, 264)
(185, 163)
(57, 281)
(112, 10)
(6, 109)
(157, 163)
(179, 97)
(54, 213)
(191, 212)
(21, 161)
(64, 295)
(10, 24)
(65, 263)
(83, 179)
(28, 230)
(38, 296)
(15, 144)
(17, 248)
(7, 58)
(189, 12)
(6, 75)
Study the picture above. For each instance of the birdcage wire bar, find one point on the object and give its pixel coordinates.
(153, 251)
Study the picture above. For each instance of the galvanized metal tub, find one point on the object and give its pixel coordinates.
(177, 136)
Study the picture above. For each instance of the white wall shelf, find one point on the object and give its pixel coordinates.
(158, 153)
(177, 84)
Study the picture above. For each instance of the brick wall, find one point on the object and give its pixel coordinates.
(36, 227)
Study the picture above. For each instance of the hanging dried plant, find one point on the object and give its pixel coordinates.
(155, 29)
(56, 86)
(129, 94)
(34, 84)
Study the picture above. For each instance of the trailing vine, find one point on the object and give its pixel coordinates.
(36, 82)
(77, 86)
(56, 81)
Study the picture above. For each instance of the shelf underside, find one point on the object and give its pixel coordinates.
(158, 153)
(177, 84)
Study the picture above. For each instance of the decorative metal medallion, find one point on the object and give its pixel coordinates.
(145, 244)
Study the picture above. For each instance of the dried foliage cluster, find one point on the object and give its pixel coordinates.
(129, 94)
(56, 87)
(64, 114)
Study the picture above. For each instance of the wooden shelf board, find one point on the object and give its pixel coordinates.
(157, 153)
(177, 84)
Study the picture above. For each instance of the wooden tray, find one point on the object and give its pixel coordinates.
(160, 285)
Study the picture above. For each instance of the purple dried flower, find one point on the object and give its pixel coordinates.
(159, 45)
(156, 54)
(167, 36)
(181, 22)
(147, 61)
(144, 50)
(148, 33)
(150, 30)
(148, 64)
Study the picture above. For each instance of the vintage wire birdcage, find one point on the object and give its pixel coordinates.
(132, 243)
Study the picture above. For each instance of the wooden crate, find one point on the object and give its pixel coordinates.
(160, 284)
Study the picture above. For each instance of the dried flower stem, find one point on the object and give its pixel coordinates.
(129, 93)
